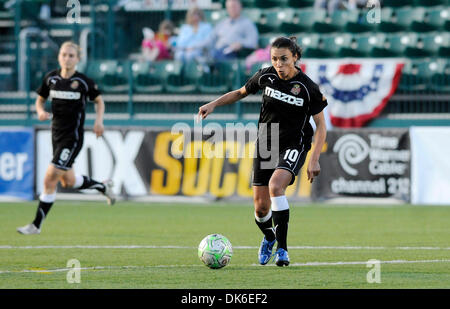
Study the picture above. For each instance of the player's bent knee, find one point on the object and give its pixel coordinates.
(276, 189)
(50, 183)
(262, 206)
(67, 183)
(262, 212)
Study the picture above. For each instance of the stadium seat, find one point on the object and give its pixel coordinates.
(267, 38)
(361, 45)
(401, 19)
(430, 44)
(116, 77)
(440, 81)
(416, 75)
(149, 77)
(301, 20)
(270, 21)
(334, 43)
(215, 16)
(219, 78)
(333, 23)
(308, 41)
(328, 46)
(182, 78)
(300, 3)
(434, 19)
(430, 2)
(397, 3)
(106, 74)
(248, 3)
(93, 70)
(357, 22)
(268, 3)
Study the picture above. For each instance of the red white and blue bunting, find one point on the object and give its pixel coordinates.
(357, 90)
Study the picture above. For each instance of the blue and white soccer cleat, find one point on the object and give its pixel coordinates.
(281, 257)
(265, 251)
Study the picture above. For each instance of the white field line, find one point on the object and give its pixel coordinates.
(4, 247)
(200, 265)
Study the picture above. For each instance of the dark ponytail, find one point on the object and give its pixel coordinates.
(289, 43)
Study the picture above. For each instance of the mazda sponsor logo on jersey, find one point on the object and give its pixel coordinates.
(278, 95)
(365, 163)
(65, 95)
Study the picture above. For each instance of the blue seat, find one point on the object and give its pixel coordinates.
(440, 80)
(333, 23)
(401, 19)
(182, 78)
(301, 20)
(149, 77)
(362, 45)
(416, 76)
(394, 45)
(328, 46)
(218, 77)
(428, 45)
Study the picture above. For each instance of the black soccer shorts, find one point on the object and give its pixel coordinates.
(65, 151)
(290, 158)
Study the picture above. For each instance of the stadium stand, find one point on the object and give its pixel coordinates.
(415, 30)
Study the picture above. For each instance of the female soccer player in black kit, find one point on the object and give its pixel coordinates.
(290, 98)
(69, 91)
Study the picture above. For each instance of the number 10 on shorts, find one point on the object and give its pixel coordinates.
(291, 155)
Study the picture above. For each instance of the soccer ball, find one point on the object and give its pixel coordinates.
(215, 251)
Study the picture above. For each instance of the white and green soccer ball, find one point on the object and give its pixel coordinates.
(215, 251)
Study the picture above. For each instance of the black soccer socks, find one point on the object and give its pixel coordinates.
(281, 220)
(41, 213)
(265, 225)
(89, 183)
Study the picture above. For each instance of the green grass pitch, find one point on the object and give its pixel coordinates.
(329, 246)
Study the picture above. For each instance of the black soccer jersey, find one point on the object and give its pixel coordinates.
(290, 103)
(68, 97)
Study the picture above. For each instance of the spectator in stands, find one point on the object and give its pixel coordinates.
(332, 5)
(166, 33)
(192, 39)
(233, 35)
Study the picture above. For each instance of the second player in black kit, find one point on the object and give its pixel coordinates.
(290, 99)
(69, 97)
(69, 91)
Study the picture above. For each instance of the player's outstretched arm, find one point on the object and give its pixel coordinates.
(40, 109)
(99, 110)
(319, 140)
(227, 98)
